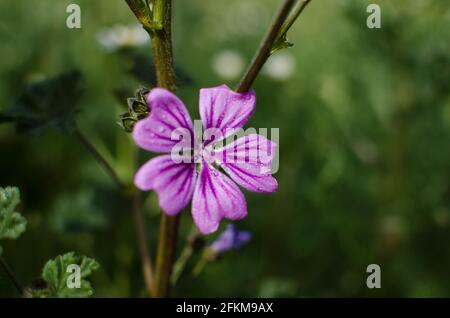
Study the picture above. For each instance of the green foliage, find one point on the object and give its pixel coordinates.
(51, 103)
(56, 276)
(12, 223)
(364, 124)
(76, 213)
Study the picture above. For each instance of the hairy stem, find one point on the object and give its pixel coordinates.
(11, 275)
(162, 44)
(168, 232)
(265, 48)
(165, 75)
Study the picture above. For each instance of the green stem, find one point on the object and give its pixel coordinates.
(168, 232)
(277, 31)
(165, 75)
(139, 221)
(190, 247)
(162, 45)
(99, 158)
(201, 264)
(265, 48)
(141, 10)
(141, 236)
(11, 275)
(180, 264)
(301, 5)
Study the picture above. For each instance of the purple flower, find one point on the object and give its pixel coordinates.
(214, 194)
(231, 238)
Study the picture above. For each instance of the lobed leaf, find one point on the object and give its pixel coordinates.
(12, 223)
(51, 103)
(56, 276)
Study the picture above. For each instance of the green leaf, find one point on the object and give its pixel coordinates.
(52, 103)
(12, 224)
(281, 44)
(57, 275)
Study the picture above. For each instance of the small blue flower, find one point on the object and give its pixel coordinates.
(231, 238)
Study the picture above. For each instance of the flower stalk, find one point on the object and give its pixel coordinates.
(265, 48)
(99, 157)
(162, 44)
(194, 243)
(276, 34)
(165, 76)
(133, 195)
(297, 10)
(141, 236)
(168, 233)
(156, 18)
(141, 9)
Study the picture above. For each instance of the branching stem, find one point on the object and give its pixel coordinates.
(283, 22)
(265, 48)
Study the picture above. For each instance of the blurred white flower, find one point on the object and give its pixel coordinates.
(281, 66)
(120, 36)
(246, 18)
(234, 19)
(228, 64)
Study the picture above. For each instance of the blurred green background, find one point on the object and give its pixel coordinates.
(364, 118)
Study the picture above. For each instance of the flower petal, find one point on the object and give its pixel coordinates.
(174, 182)
(248, 162)
(231, 238)
(167, 114)
(216, 196)
(224, 109)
